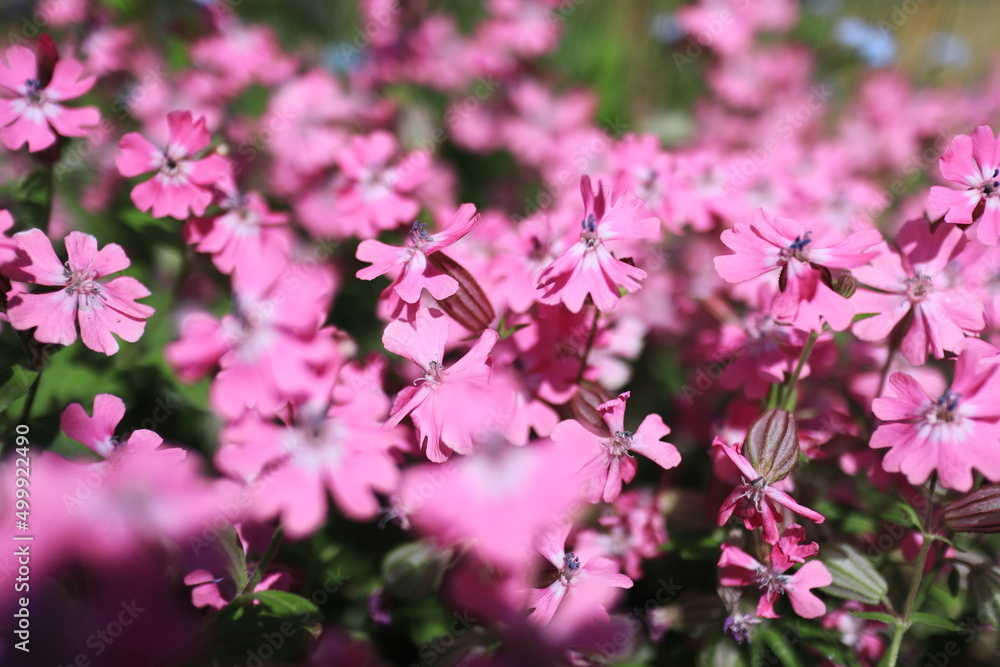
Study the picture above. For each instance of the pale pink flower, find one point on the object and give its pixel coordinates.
(582, 587)
(588, 267)
(31, 109)
(913, 286)
(783, 244)
(182, 184)
(102, 308)
(973, 161)
(8, 246)
(415, 274)
(741, 569)
(952, 434)
(754, 499)
(609, 462)
(438, 401)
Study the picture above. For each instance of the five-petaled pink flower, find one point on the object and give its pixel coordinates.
(753, 500)
(783, 244)
(952, 434)
(440, 400)
(102, 308)
(913, 287)
(582, 585)
(31, 93)
(973, 161)
(182, 184)
(742, 569)
(588, 267)
(608, 460)
(415, 274)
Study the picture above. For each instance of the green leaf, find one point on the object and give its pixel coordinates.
(863, 316)
(780, 648)
(504, 333)
(911, 514)
(954, 582)
(15, 383)
(934, 621)
(288, 605)
(875, 616)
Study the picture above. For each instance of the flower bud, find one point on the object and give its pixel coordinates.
(854, 578)
(976, 512)
(469, 305)
(772, 444)
(846, 286)
(984, 593)
(48, 56)
(414, 570)
(584, 404)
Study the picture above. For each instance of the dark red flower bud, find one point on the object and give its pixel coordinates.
(48, 56)
(772, 444)
(469, 305)
(584, 405)
(976, 512)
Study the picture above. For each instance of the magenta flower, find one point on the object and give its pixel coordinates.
(415, 275)
(913, 286)
(973, 161)
(102, 308)
(588, 267)
(30, 100)
(440, 402)
(182, 184)
(783, 244)
(952, 434)
(753, 500)
(741, 569)
(582, 585)
(609, 461)
(98, 432)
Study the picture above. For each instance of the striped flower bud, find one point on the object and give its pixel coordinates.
(469, 305)
(976, 512)
(854, 578)
(772, 444)
(415, 570)
(584, 405)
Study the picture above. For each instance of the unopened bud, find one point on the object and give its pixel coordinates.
(772, 444)
(48, 56)
(984, 592)
(586, 399)
(846, 286)
(976, 512)
(414, 570)
(469, 305)
(854, 578)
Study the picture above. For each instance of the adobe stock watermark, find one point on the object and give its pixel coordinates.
(103, 637)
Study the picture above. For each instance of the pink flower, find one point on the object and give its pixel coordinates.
(98, 432)
(588, 267)
(444, 393)
(741, 569)
(768, 244)
(30, 100)
(102, 309)
(609, 460)
(913, 286)
(952, 434)
(415, 275)
(182, 184)
(582, 584)
(340, 447)
(753, 500)
(246, 236)
(973, 161)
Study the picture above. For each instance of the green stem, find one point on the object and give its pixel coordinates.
(258, 572)
(787, 400)
(918, 574)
